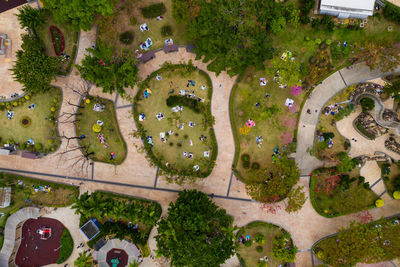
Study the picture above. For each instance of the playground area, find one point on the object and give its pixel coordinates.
(40, 242)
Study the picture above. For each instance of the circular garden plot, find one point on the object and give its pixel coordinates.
(173, 116)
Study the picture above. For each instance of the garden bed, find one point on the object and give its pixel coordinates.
(334, 193)
(38, 123)
(108, 139)
(260, 244)
(181, 139)
(59, 38)
(391, 176)
(118, 215)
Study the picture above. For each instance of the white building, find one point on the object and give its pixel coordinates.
(344, 9)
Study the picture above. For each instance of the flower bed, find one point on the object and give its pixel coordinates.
(58, 40)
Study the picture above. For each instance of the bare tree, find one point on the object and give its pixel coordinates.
(82, 160)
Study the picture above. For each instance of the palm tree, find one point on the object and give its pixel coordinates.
(31, 18)
(84, 260)
(134, 263)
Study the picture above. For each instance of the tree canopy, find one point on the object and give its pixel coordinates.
(392, 89)
(196, 232)
(273, 184)
(111, 69)
(31, 18)
(79, 13)
(33, 68)
(238, 36)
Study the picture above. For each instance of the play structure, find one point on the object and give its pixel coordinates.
(44, 232)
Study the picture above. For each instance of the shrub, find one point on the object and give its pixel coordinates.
(318, 41)
(53, 109)
(187, 102)
(328, 42)
(391, 12)
(396, 195)
(245, 157)
(385, 168)
(22, 146)
(248, 243)
(126, 37)
(166, 30)
(379, 203)
(328, 135)
(38, 146)
(171, 144)
(246, 164)
(27, 97)
(96, 128)
(367, 104)
(259, 238)
(50, 141)
(185, 136)
(255, 166)
(154, 10)
(259, 249)
(15, 104)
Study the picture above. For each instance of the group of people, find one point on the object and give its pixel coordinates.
(332, 109)
(99, 108)
(188, 155)
(102, 140)
(10, 114)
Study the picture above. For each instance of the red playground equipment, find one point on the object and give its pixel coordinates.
(44, 232)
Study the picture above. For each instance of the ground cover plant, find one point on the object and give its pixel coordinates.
(265, 240)
(105, 140)
(128, 16)
(367, 243)
(182, 142)
(38, 123)
(32, 192)
(120, 216)
(196, 232)
(340, 190)
(275, 123)
(59, 40)
(391, 177)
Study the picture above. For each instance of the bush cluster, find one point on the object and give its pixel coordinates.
(367, 104)
(166, 30)
(391, 12)
(126, 37)
(154, 10)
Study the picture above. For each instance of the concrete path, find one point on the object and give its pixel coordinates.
(317, 100)
(372, 174)
(10, 231)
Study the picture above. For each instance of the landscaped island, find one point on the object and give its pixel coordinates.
(173, 117)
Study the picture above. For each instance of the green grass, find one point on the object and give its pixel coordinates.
(179, 142)
(70, 38)
(339, 202)
(245, 95)
(110, 28)
(110, 130)
(41, 129)
(67, 246)
(1, 240)
(249, 255)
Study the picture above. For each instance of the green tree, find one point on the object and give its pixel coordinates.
(273, 184)
(288, 69)
(282, 248)
(31, 18)
(84, 260)
(392, 89)
(111, 70)
(278, 26)
(292, 14)
(296, 199)
(33, 68)
(367, 104)
(196, 232)
(79, 13)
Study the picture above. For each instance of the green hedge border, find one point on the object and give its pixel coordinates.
(167, 66)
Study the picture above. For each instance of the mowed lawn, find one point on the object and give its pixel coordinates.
(110, 130)
(182, 140)
(128, 11)
(278, 130)
(70, 38)
(41, 128)
(250, 255)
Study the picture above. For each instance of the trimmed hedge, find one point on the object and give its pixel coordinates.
(154, 10)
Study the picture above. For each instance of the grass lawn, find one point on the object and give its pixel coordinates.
(110, 131)
(182, 140)
(330, 200)
(325, 126)
(249, 255)
(279, 130)
(41, 129)
(63, 195)
(67, 246)
(70, 38)
(389, 179)
(126, 12)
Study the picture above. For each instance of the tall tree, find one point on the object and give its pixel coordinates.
(31, 18)
(33, 68)
(196, 232)
(111, 70)
(79, 13)
(84, 260)
(392, 89)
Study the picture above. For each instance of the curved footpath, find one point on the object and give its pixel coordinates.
(135, 177)
(319, 97)
(10, 231)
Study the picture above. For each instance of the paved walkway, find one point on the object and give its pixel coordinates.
(319, 97)
(10, 231)
(372, 174)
